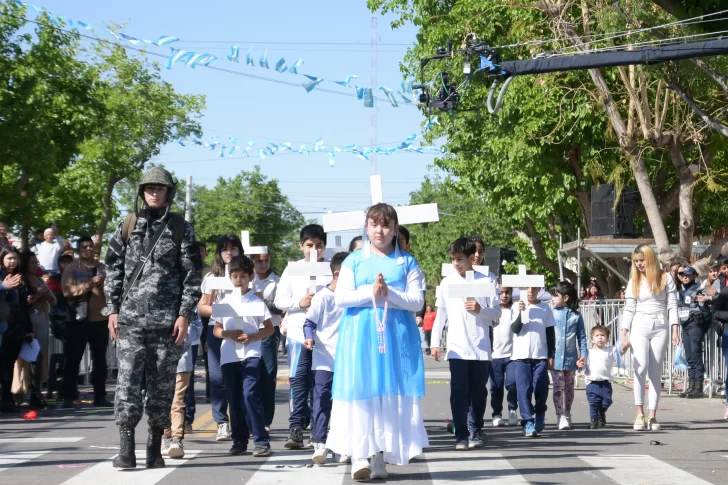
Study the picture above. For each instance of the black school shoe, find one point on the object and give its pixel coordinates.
(262, 450)
(238, 448)
(594, 424)
(602, 419)
(295, 440)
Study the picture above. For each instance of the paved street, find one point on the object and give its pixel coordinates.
(76, 447)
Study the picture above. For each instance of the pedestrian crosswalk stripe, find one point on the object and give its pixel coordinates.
(105, 473)
(286, 467)
(453, 468)
(40, 440)
(12, 458)
(640, 470)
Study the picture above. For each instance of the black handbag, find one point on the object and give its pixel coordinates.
(78, 309)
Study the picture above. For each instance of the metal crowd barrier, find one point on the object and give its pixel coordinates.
(56, 347)
(609, 314)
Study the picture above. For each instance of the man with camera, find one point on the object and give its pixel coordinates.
(83, 287)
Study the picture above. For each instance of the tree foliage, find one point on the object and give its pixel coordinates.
(249, 201)
(558, 134)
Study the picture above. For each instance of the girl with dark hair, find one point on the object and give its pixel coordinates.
(378, 383)
(13, 310)
(571, 349)
(228, 247)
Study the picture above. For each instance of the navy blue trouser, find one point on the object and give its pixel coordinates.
(501, 377)
(532, 380)
(599, 395)
(190, 404)
(301, 386)
(693, 338)
(322, 383)
(218, 398)
(243, 393)
(468, 379)
(269, 373)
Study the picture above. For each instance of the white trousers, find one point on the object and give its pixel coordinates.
(649, 337)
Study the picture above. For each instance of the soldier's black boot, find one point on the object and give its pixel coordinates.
(688, 388)
(126, 457)
(154, 448)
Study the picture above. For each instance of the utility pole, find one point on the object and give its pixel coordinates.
(375, 108)
(188, 200)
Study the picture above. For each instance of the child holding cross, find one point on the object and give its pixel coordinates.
(534, 345)
(379, 378)
(468, 346)
(294, 297)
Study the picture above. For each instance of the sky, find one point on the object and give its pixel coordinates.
(333, 38)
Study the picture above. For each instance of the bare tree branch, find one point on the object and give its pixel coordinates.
(720, 80)
(709, 120)
(541, 256)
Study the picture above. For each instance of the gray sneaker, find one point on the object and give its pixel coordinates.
(176, 449)
(223, 432)
(165, 445)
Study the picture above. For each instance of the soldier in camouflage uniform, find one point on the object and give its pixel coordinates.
(150, 324)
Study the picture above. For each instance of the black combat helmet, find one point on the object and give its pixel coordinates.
(156, 176)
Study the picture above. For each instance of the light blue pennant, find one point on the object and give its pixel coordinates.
(295, 66)
(368, 98)
(390, 96)
(69, 22)
(85, 25)
(114, 34)
(264, 60)
(249, 58)
(132, 40)
(332, 159)
(309, 85)
(430, 123)
(175, 56)
(303, 150)
(163, 40)
(318, 145)
(261, 154)
(281, 65)
(407, 86)
(359, 92)
(347, 81)
(404, 98)
(234, 53)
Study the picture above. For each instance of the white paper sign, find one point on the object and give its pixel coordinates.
(29, 351)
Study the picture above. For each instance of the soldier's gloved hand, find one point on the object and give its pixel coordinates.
(180, 330)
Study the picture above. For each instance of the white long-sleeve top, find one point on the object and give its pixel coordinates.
(464, 342)
(411, 298)
(665, 302)
(288, 296)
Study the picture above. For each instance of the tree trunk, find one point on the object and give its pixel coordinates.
(685, 198)
(541, 255)
(108, 209)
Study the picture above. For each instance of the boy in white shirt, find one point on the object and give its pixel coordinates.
(468, 349)
(322, 333)
(501, 370)
(294, 298)
(598, 373)
(240, 362)
(534, 345)
(266, 284)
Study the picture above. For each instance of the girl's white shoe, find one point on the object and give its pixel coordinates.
(512, 417)
(360, 470)
(379, 468)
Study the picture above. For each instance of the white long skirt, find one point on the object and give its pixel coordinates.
(389, 424)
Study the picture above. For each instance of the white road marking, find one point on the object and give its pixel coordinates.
(641, 470)
(451, 468)
(20, 441)
(12, 458)
(285, 468)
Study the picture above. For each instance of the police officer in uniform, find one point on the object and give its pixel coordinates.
(695, 321)
(152, 288)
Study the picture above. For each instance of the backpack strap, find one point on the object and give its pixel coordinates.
(128, 225)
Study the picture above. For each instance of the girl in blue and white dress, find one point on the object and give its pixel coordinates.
(379, 373)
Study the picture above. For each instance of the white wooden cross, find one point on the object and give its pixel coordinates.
(220, 283)
(413, 214)
(330, 252)
(234, 307)
(470, 290)
(311, 268)
(523, 281)
(247, 248)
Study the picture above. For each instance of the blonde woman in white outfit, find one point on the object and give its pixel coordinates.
(650, 310)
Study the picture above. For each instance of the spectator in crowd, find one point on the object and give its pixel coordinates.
(83, 287)
(14, 311)
(429, 322)
(595, 292)
(582, 293)
(58, 316)
(40, 301)
(38, 238)
(4, 239)
(48, 250)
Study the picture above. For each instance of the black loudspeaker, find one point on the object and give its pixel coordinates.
(608, 218)
(494, 258)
